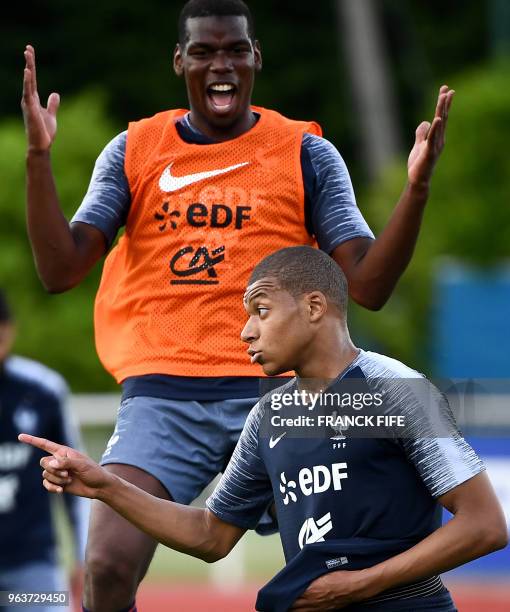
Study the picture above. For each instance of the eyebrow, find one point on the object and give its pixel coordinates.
(257, 294)
(212, 47)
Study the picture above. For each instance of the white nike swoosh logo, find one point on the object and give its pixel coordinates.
(273, 443)
(168, 182)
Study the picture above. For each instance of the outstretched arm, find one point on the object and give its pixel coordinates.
(477, 528)
(193, 531)
(63, 254)
(373, 267)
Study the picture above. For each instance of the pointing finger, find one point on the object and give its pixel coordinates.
(42, 443)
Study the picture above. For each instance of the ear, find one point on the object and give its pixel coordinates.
(178, 63)
(316, 305)
(258, 56)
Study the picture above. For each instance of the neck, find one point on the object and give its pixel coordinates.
(221, 134)
(328, 356)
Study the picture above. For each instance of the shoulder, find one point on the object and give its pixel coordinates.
(375, 365)
(117, 143)
(263, 406)
(114, 151)
(270, 395)
(158, 120)
(408, 390)
(37, 375)
(273, 119)
(321, 151)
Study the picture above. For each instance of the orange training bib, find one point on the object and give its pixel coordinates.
(201, 218)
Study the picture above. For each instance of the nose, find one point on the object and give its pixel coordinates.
(221, 63)
(250, 332)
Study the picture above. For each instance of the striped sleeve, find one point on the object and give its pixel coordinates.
(244, 491)
(108, 198)
(433, 442)
(335, 216)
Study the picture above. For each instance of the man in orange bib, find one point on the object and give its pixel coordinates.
(203, 195)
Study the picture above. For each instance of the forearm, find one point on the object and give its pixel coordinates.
(53, 245)
(379, 270)
(460, 540)
(183, 528)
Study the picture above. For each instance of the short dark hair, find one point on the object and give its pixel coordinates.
(303, 269)
(214, 8)
(5, 311)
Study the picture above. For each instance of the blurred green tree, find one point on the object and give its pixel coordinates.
(467, 216)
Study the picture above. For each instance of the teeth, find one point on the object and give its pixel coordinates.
(222, 87)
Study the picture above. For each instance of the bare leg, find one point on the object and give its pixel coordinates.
(118, 554)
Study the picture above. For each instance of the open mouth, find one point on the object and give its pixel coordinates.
(222, 96)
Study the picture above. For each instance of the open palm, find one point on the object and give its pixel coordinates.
(430, 139)
(40, 122)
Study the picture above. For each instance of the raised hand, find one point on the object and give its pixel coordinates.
(40, 122)
(67, 469)
(429, 143)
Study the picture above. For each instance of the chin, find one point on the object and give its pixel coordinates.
(273, 370)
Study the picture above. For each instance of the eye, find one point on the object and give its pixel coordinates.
(262, 310)
(198, 53)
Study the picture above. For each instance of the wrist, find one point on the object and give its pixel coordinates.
(34, 153)
(419, 187)
(367, 584)
(106, 490)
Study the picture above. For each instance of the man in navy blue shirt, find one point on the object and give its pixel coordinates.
(365, 503)
(32, 397)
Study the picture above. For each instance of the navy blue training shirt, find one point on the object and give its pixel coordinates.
(331, 215)
(343, 488)
(32, 400)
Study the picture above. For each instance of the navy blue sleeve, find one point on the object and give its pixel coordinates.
(244, 491)
(108, 198)
(333, 216)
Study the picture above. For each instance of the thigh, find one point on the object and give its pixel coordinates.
(39, 576)
(183, 444)
(113, 538)
(233, 417)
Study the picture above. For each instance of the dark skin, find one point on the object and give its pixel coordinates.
(218, 50)
(278, 325)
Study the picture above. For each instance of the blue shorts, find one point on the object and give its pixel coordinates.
(184, 444)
